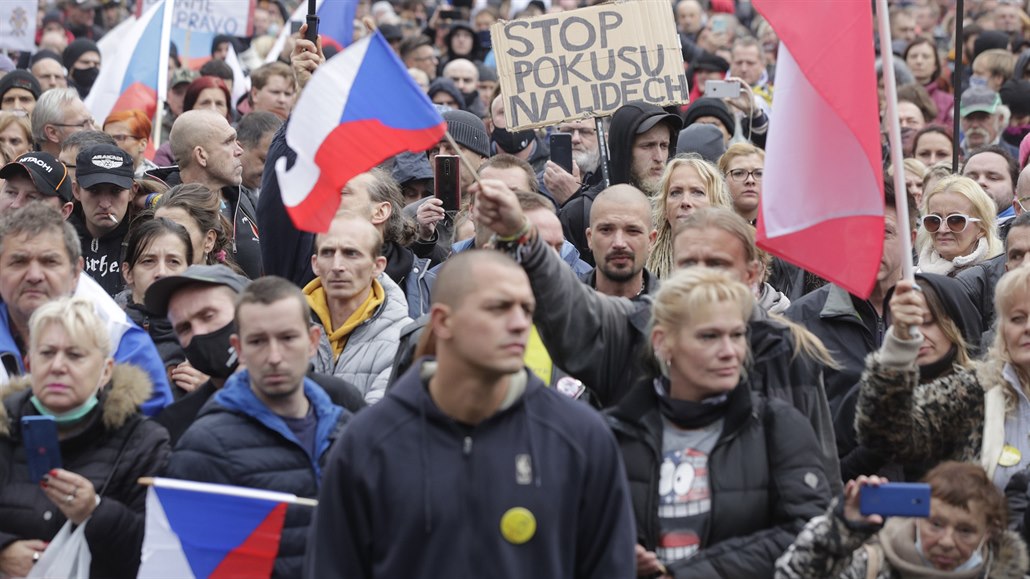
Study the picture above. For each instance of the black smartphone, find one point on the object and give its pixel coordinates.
(561, 150)
(895, 500)
(450, 14)
(42, 449)
(467, 4)
(447, 182)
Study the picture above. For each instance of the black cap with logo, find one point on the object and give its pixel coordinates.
(104, 164)
(49, 175)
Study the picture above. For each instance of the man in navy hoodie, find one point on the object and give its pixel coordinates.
(471, 466)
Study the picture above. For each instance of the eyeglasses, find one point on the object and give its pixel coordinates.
(957, 222)
(584, 132)
(122, 138)
(742, 174)
(83, 125)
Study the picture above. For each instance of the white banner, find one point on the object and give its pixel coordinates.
(18, 25)
(232, 17)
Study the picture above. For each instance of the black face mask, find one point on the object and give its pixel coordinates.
(85, 77)
(212, 354)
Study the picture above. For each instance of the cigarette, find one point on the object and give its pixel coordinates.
(112, 217)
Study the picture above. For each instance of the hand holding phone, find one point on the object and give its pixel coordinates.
(722, 89)
(561, 150)
(895, 500)
(42, 448)
(447, 181)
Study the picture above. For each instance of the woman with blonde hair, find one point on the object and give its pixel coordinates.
(980, 413)
(958, 229)
(16, 133)
(915, 172)
(688, 184)
(721, 478)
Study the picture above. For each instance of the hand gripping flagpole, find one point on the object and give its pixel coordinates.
(894, 134)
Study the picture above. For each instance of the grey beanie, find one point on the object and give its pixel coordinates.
(705, 140)
(468, 131)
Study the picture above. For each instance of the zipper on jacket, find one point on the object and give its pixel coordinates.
(467, 446)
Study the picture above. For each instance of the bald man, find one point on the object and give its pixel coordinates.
(620, 236)
(465, 76)
(473, 426)
(208, 153)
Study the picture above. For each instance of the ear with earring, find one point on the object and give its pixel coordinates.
(663, 363)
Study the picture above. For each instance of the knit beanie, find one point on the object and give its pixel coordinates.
(77, 48)
(710, 107)
(705, 140)
(468, 131)
(20, 79)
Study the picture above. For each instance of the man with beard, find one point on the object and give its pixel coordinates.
(639, 142)
(981, 119)
(621, 234)
(560, 185)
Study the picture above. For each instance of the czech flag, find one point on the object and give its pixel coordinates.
(207, 530)
(822, 202)
(133, 75)
(336, 21)
(359, 108)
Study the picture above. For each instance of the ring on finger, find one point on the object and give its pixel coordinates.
(68, 499)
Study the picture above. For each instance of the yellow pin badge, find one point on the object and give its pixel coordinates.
(1010, 456)
(518, 525)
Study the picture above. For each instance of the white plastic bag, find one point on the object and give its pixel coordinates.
(66, 557)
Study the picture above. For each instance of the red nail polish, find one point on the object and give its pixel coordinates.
(42, 483)
(53, 472)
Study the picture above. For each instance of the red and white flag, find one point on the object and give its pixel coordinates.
(822, 202)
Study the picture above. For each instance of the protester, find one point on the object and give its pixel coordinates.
(973, 415)
(195, 208)
(277, 424)
(154, 249)
(932, 145)
(131, 130)
(15, 133)
(417, 52)
(560, 185)
(964, 536)
(178, 83)
(48, 71)
(688, 184)
(41, 261)
(951, 334)
(273, 89)
(982, 120)
(563, 511)
(958, 227)
(58, 114)
(35, 177)
(996, 171)
(915, 173)
(103, 212)
(621, 235)
(254, 132)
(105, 445)
(925, 63)
(85, 139)
(464, 74)
(712, 111)
(18, 92)
(208, 154)
(360, 310)
(694, 414)
(82, 60)
(742, 165)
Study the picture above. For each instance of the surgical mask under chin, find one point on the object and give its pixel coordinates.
(273, 30)
(977, 81)
(975, 560)
(212, 353)
(70, 417)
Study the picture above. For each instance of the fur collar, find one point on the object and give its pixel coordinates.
(128, 389)
(1010, 557)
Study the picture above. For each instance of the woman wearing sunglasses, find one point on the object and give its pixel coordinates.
(957, 229)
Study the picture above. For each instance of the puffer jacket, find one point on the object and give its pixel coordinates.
(367, 358)
(237, 440)
(958, 417)
(765, 475)
(115, 427)
(979, 282)
(830, 548)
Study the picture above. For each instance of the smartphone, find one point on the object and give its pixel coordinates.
(561, 150)
(895, 500)
(467, 4)
(42, 450)
(450, 15)
(722, 89)
(447, 182)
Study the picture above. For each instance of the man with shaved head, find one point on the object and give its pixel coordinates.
(473, 427)
(465, 76)
(205, 146)
(620, 236)
(360, 309)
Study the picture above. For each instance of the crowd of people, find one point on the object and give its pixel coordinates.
(589, 373)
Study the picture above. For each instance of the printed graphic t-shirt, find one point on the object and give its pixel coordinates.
(684, 495)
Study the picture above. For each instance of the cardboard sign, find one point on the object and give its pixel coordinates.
(588, 62)
(232, 17)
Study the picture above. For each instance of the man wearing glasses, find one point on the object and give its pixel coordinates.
(59, 113)
(559, 184)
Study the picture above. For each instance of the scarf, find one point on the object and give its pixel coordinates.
(686, 414)
(320, 305)
(931, 262)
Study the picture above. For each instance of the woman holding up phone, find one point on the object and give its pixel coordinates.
(963, 538)
(105, 445)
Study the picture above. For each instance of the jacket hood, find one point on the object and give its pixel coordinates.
(444, 84)
(957, 306)
(623, 132)
(120, 399)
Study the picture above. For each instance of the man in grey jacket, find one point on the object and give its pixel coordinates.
(599, 339)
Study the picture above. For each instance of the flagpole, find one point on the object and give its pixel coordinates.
(162, 71)
(472, 171)
(890, 87)
(957, 85)
(249, 493)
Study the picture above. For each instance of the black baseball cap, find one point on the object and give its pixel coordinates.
(160, 292)
(104, 164)
(49, 175)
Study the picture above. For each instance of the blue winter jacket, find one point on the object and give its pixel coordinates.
(237, 440)
(411, 493)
